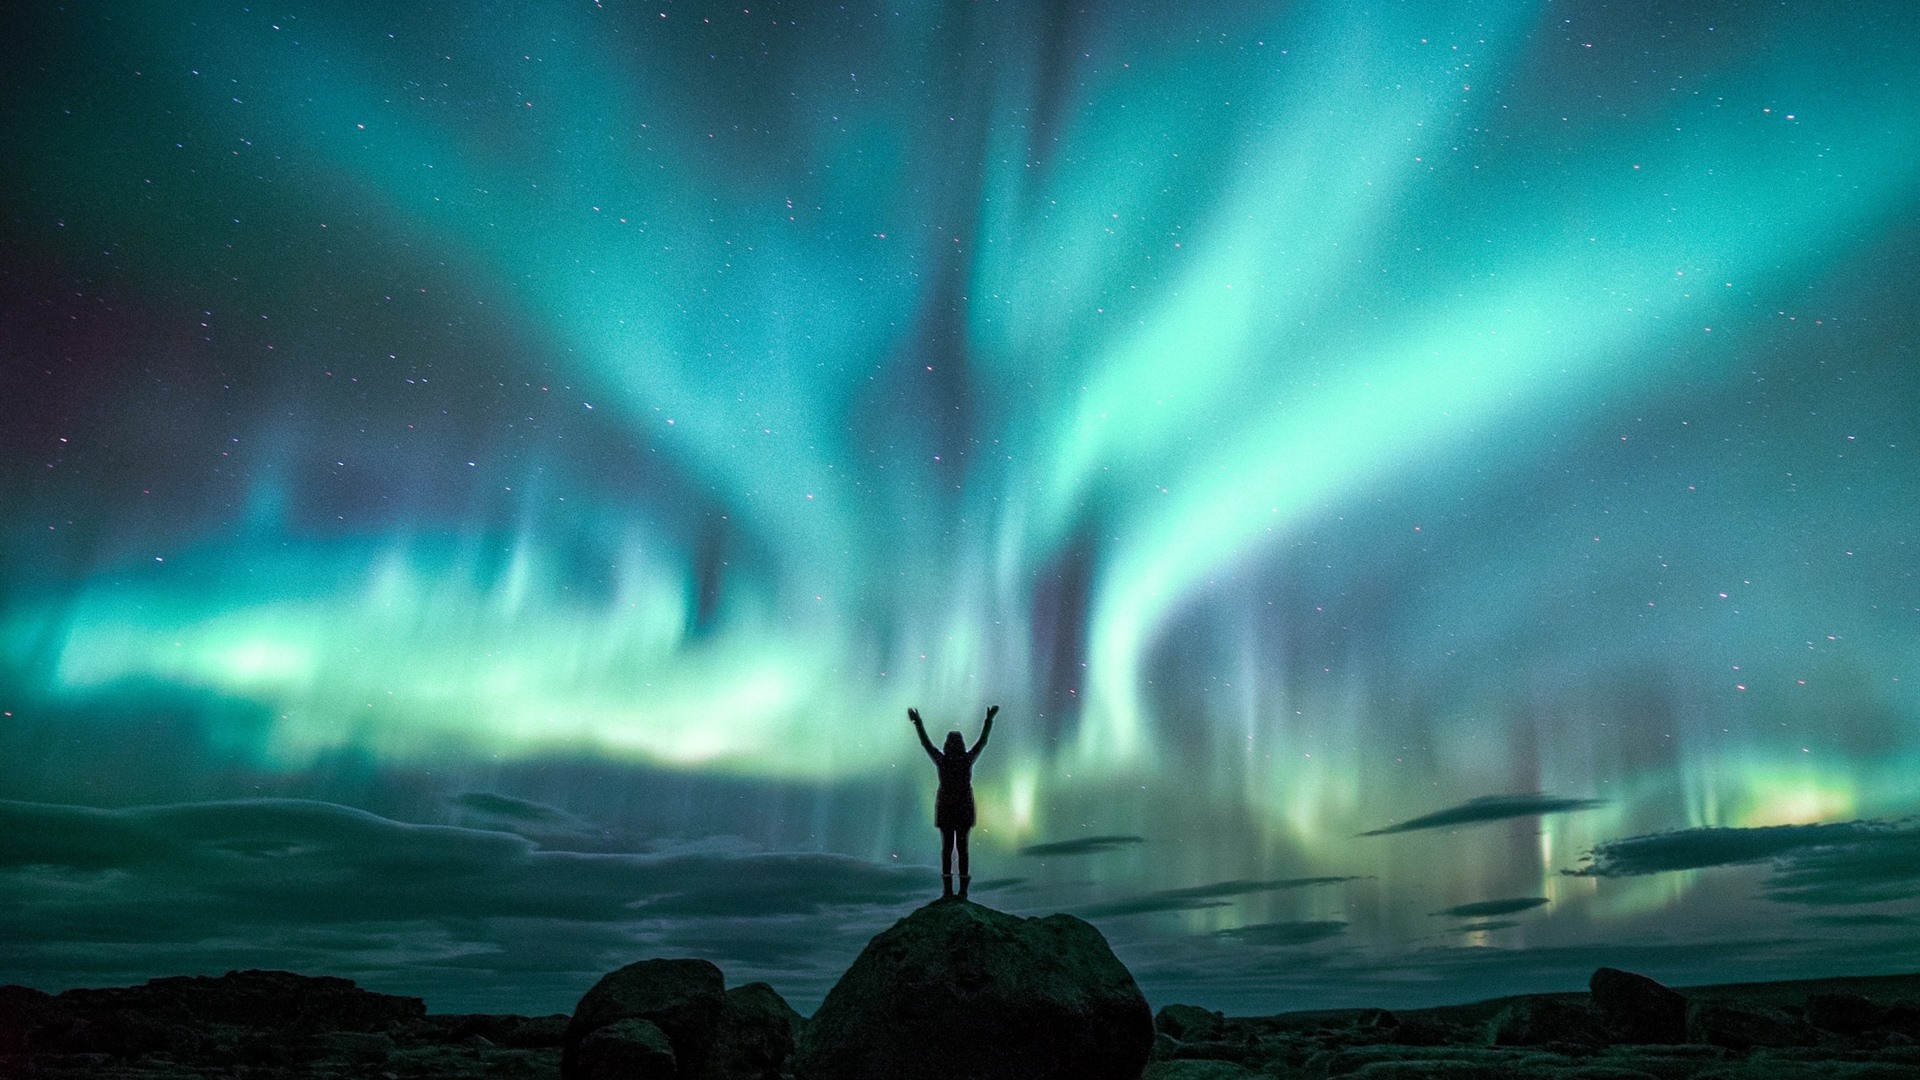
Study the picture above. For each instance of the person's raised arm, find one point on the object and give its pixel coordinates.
(926, 743)
(985, 730)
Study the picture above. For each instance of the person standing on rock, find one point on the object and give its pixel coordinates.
(953, 807)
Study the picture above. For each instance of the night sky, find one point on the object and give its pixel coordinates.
(1434, 489)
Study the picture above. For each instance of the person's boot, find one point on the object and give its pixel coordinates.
(946, 886)
(965, 880)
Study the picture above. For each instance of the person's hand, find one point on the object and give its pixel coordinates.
(914, 715)
(991, 709)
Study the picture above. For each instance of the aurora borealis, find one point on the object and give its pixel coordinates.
(484, 482)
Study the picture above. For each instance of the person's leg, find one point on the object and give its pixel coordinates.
(946, 861)
(960, 844)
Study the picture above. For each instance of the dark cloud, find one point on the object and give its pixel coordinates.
(1285, 933)
(1199, 896)
(1087, 845)
(1485, 927)
(1852, 862)
(1824, 865)
(745, 885)
(1694, 849)
(1482, 908)
(1862, 918)
(1490, 808)
(1881, 864)
(506, 806)
(331, 889)
(548, 826)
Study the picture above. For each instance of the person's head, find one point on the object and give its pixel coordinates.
(956, 743)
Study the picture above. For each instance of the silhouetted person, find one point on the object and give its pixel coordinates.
(953, 807)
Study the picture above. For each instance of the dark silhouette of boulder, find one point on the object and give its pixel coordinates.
(754, 1035)
(680, 997)
(1745, 1026)
(1189, 1022)
(1636, 1009)
(1846, 1014)
(517, 1032)
(628, 1049)
(1376, 1019)
(31, 1020)
(279, 1000)
(959, 990)
(1545, 1022)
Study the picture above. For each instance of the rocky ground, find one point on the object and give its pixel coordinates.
(265, 1025)
(1048, 991)
(1626, 1027)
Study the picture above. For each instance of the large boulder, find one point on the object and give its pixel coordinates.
(753, 1037)
(956, 991)
(682, 998)
(1636, 1009)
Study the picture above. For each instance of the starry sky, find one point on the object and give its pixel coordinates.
(1434, 489)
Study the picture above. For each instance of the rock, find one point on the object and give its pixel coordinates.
(1901, 1018)
(1422, 1031)
(960, 990)
(361, 1047)
(1165, 1046)
(1636, 1009)
(1376, 1018)
(1544, 1022)
(1743, 1027)
(754, 1035)
(1847, 1014)
(627, 1049)
(128, 1033)
(1189, 1022)
(518, 1032)
(680, 997)
(31, 1020)
(278, 1000)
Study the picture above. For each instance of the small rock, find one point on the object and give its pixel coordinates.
(1847, 1014)
(1376, 1018)
(629, 1049)
(1421, 1031)
(359, 1046)
(1189, 1022)
(1743, 1027)
(1543, 1022)
(1165, 1046)
(1636, 1009)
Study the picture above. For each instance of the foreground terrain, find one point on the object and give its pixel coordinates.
(269, 1025)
